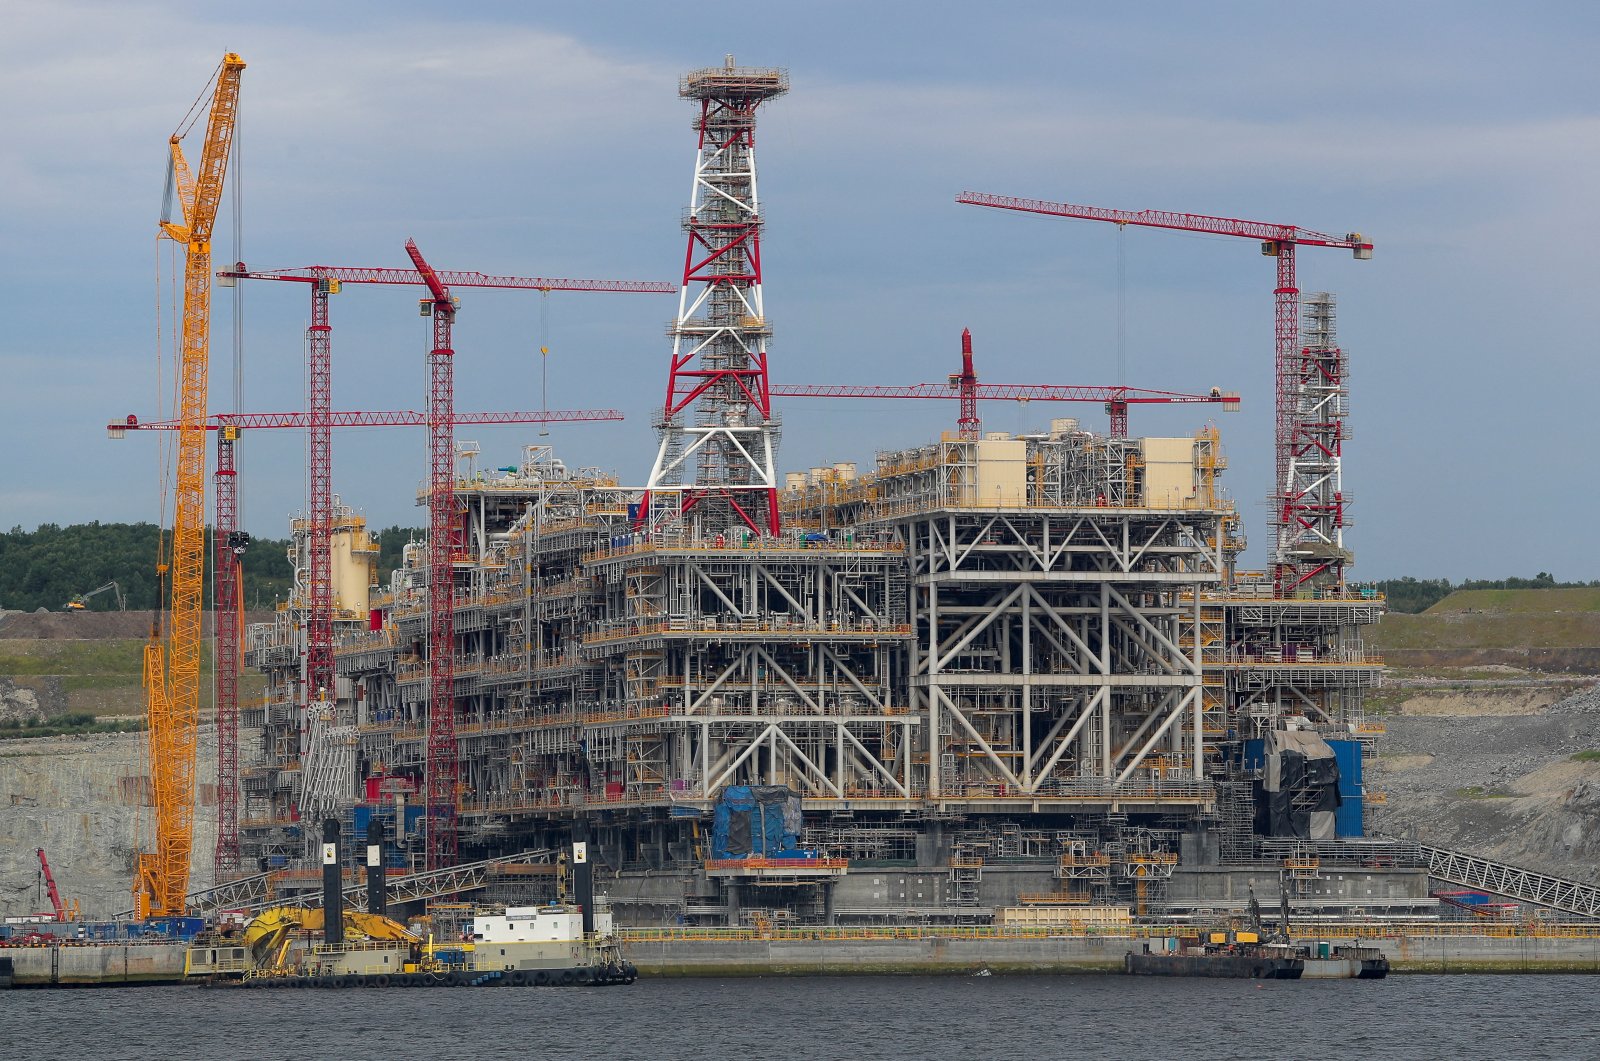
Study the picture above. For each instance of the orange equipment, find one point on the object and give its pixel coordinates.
(172, 672)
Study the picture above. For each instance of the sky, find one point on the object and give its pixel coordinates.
(1462, 138)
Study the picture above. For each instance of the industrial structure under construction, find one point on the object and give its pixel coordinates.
(994, 677)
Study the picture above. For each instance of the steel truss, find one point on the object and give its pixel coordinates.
(1310, 518)
(1059, 646)
(717, 470)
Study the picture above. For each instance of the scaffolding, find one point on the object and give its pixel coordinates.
(1026, 655)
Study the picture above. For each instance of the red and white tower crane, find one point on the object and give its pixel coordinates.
(718, 432)
(323, 281)
(229, 542)
(965, 387)
(1295, 513)
(441, 770)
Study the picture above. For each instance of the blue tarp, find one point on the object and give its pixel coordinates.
(1255, 756)
(394, 854)
(754, 822)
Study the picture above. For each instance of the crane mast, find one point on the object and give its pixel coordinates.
(1308, 522)
(172, 674)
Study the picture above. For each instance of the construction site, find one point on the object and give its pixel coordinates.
(1015, 680)
(988, 678)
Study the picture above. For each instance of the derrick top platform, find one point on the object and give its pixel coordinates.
(734, 82)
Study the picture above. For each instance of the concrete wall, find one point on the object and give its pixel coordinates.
(1239, 883)
(107, 963)
(1087, 954)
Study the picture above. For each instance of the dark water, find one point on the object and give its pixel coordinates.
(859, 1018)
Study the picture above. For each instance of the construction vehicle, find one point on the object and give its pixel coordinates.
(172, 668)
(80, 601)
(518, 946)
(278, 942)
(64, 912)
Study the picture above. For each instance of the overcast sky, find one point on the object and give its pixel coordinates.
(548, 140)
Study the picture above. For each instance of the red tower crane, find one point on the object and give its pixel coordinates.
(1277, 241)
(229, 543)
(964, 386)
(325, 280)
(440, 772)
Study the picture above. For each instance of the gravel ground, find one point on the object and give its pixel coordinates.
(1504, 786)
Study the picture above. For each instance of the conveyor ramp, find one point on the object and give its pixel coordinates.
(1513, 882)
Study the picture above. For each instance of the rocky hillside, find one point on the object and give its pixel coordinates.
(1493, 717)
(82, 797)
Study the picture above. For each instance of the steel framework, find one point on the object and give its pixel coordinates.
(229, 543)
(1277, 241)
(1513, 882)
(719, 338)
(1312, 516)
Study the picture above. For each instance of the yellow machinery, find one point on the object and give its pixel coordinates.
(172, 672)
(266, 946)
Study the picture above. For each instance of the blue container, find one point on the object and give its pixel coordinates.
(1348, 755)
(1348, 820)
(1255, 756)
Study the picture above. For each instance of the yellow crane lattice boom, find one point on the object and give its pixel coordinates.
(172, 678)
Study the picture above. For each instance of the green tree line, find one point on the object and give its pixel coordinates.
(1418, 595)
(47, 567)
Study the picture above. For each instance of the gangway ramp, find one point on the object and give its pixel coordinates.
(253, 894)
(1513, 882)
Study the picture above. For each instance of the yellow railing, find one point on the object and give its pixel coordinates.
(1085, 928)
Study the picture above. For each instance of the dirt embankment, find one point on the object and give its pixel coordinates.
(55, 663)
(91, 626)
(1523, 787)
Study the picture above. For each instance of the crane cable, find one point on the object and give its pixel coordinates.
(198, 107)
(544, 358)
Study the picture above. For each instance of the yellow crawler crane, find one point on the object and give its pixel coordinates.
(172, 673)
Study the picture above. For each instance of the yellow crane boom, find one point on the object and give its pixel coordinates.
(172, 676)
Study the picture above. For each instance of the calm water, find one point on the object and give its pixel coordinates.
(856, 1018)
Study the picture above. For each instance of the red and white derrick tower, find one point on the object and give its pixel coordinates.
(1311, 514)
(718, 432)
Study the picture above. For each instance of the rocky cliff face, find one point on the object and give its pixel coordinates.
(85, 801)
